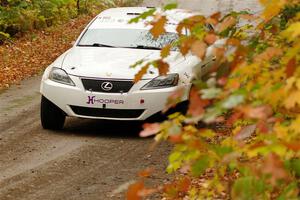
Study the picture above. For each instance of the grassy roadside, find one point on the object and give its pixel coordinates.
(32, 53)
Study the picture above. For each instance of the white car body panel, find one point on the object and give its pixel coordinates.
(114, 64)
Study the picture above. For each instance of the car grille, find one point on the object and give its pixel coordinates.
(109, 113)
(117, 86)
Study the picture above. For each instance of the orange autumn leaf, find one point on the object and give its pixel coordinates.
(163, 67)
(134, 189)
(219, 52)
(268, 54)
(165, 52)
(248, 16)
(290, 67)
(186, 45)
(216, 16)
(226, 23)
(233, 42)
(211, 21)
(272, 8)
(260, 112)
(141, 73)
(189, 23)
(292, 100)
(210, 38)
(199, 49)
(158, 26)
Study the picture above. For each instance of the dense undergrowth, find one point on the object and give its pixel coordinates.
(19, 16)
(252, 93)
(35, 32)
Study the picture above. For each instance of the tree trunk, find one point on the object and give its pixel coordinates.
(78, 7)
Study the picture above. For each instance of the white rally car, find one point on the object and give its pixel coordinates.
(93, 79)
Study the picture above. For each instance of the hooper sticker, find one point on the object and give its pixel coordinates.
(93, 100)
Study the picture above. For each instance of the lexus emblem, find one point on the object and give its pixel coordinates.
(107, 86)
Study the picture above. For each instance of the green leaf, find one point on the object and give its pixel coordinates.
(289, 192)
(222, 150)
(248, 188)
(295, 166)
(144, 15)
(210, 93)
(200, 166)
(170, 6)
(233, 101)
(139, 62)
(4, 35)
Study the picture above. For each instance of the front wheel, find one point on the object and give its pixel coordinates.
(52, 117)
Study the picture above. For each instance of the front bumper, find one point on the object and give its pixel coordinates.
(136, 104)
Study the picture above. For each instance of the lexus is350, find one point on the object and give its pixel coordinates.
(93, 79)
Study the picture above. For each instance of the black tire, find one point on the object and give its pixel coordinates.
(52, 117)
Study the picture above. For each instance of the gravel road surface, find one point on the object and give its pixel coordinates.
(87, 160)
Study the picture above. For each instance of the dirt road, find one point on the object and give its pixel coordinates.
(87, 160)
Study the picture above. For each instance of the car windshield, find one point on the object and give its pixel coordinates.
(126, 38)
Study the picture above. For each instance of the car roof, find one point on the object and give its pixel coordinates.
(119, 17)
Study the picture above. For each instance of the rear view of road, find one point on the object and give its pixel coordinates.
(87, 160)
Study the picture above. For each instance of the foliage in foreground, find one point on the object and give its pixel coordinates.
(253, 91)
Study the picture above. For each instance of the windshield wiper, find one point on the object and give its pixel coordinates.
(96, 45)
(146, 47)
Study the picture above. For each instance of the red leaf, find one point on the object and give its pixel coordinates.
(290, 67)
(262, 126)
(273, 166)
(174, 99)
(134, 189)
(184, 185)
(294, 146)
(150, 129)
(197, 105)
(234, 117)
(176, 139)
(222, 81)
(146, 173)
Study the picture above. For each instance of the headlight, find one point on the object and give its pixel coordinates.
(60, 76)
(159, 82)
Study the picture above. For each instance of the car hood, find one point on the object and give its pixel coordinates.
(101, 62)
